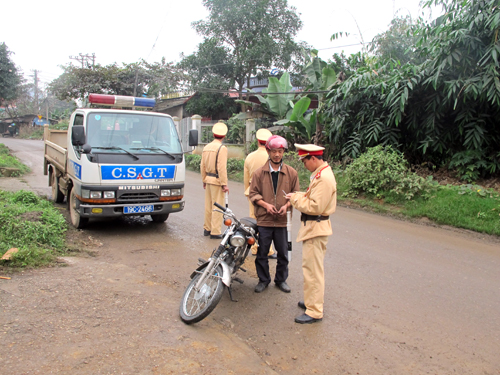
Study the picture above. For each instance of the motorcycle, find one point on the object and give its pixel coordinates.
(208, 281)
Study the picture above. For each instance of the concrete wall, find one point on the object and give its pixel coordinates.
(233, 151)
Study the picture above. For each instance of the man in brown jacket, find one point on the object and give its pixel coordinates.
(316, 206)
(254, 161)
(213, 170)
(269, 185)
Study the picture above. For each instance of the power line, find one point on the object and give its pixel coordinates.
(218, 91)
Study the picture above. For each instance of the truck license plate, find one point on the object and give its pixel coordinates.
(138, 209)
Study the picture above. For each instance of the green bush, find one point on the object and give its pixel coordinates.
(235, 165)
(193, 162)
(31, 224)
(382, 170)
(472, 164)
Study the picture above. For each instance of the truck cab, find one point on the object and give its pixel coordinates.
(120, 162)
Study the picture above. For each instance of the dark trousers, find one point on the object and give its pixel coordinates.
(279, 237)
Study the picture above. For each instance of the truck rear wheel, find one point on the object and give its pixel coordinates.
(77, 221)
(159, 218)
(57, 195)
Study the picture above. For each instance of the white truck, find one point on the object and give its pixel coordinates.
(115, 162)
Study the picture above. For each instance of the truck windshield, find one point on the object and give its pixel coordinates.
(137, 133)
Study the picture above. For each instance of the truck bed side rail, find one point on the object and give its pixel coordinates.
(56, 155)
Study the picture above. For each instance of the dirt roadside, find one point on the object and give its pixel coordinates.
(92, 315)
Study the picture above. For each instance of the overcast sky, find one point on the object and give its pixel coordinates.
(44, 34)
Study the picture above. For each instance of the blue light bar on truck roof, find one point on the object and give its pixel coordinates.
(121, 101)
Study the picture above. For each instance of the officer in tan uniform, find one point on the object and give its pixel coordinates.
(316, 205)
(254, 161)
(213, 169)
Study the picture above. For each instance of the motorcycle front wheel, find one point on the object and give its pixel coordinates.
(196, 305)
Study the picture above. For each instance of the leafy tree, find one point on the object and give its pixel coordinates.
(10, 80)
(136, 79)
(247, 37)
(397, 43)
(207, 104)
(208, 69)
(436, 110)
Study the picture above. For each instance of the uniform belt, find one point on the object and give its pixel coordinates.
(318, 218)
(216, 175)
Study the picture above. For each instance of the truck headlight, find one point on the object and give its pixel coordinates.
(85, 193)
(165, 193)
(176, 192)
(109, 194)
(96, 194)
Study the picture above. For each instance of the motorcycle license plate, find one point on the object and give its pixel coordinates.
(138, 209)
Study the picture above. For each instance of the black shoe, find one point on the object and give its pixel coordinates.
(274, 256)
(306, 319)
(302, 305)
(215, 236)
(284, 287)
(206, 232)
(260, 287)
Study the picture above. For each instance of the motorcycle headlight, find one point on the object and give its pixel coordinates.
(237, 240)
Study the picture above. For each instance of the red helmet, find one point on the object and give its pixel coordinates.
(276, 141)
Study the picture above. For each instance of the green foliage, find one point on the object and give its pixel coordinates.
(397, 43)
(466, 206)
(235, 165)
(448, 104)
(61, 125)
(207, 104)
(9, 77)
(236, 132)
(31, 224)
(382, 170)
(9, 161)
(472, 164)
(140, 78)
(247, 38)
(193, 162)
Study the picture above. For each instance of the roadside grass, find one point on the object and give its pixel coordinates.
(32, 225)
(9, 161)
(466, 206)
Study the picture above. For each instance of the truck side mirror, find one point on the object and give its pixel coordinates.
(78, 135)
(193, 137)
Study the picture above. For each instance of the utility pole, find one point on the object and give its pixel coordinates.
(135, 82)
(36, 90)
(84, 59)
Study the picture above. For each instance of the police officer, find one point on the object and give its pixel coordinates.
(254, 161)
(213, 169)
(316, 205)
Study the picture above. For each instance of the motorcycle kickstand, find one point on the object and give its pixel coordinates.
(230, 290)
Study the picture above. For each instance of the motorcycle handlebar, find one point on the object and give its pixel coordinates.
(220, 207)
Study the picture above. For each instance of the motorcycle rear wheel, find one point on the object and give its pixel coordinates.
(196, 306)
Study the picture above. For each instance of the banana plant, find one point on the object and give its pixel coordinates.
(321, 78)
(304, 125)
(278, 101)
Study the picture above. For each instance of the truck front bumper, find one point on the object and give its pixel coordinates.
(114, 210)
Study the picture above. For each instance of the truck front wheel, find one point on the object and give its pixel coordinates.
(77, 221)
(57, 195)
(160, 218)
